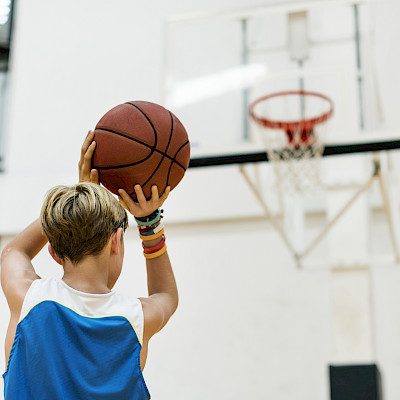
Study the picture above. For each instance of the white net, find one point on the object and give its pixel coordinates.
(292, 126)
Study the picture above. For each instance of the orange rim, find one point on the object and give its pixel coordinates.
(291, 125)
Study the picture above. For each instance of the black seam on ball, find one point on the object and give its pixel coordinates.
(174, 161)
(100, 128)
(169, 141)
(163, 157)
(156, 137)
(124, 165)
(149, 121)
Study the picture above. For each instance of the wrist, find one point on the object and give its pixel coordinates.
(149, 244)
(156, 250)
(151, 231)
(150, 219)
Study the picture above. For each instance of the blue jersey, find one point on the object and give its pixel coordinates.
(75, 345)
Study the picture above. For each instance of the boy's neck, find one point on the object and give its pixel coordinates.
(89, 276)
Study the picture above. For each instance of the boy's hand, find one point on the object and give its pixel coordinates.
(142, 208)
(86, 174)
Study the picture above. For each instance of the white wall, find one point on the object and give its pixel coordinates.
(249, 325)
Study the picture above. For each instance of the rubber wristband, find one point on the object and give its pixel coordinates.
(154, 231)
(149, 217)
(155, 248)
(155, 236)
(149, 222)
(156, 254)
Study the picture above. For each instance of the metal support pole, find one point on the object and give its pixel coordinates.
(377, 174)
(275, 223)
(245, 96)
(336, 218)
(388, 213)
(359, 67)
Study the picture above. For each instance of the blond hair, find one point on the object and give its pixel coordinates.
(79, 220)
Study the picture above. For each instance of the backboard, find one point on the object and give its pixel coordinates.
(217, 63)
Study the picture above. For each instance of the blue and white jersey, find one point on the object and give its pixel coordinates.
(74, 345)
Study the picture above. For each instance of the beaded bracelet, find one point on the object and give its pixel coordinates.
(157, 253)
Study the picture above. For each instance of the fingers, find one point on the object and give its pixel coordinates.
(154, 193)
(123, 203)
(89, 152)
(165, 194)
(140, 195)
(94, 176)
(143, 207)
(88, 140)
(85, 162)
(126, 200)
(87, 158)
(123, 195)
(128, 203)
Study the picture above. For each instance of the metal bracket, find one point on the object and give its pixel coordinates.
(299, 258)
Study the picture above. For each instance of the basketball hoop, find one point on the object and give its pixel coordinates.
(292, 126)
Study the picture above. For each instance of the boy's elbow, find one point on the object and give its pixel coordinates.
(4, 253)
(175, 304)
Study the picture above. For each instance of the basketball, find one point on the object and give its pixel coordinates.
(143, 143)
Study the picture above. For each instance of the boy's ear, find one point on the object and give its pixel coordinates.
(116, 241)
(54, 255)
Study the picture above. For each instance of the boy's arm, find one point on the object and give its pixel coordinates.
(163, 294)
(17, 272)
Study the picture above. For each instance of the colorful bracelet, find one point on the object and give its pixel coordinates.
(150, 219)
(154, 235)
(156, 247)
(152, 232)
(157, 253)
(146, 229)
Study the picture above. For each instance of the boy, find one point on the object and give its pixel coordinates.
(74, 338)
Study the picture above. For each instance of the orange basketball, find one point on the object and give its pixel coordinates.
(140, 143)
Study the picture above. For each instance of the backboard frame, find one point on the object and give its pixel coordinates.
(364, 143)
